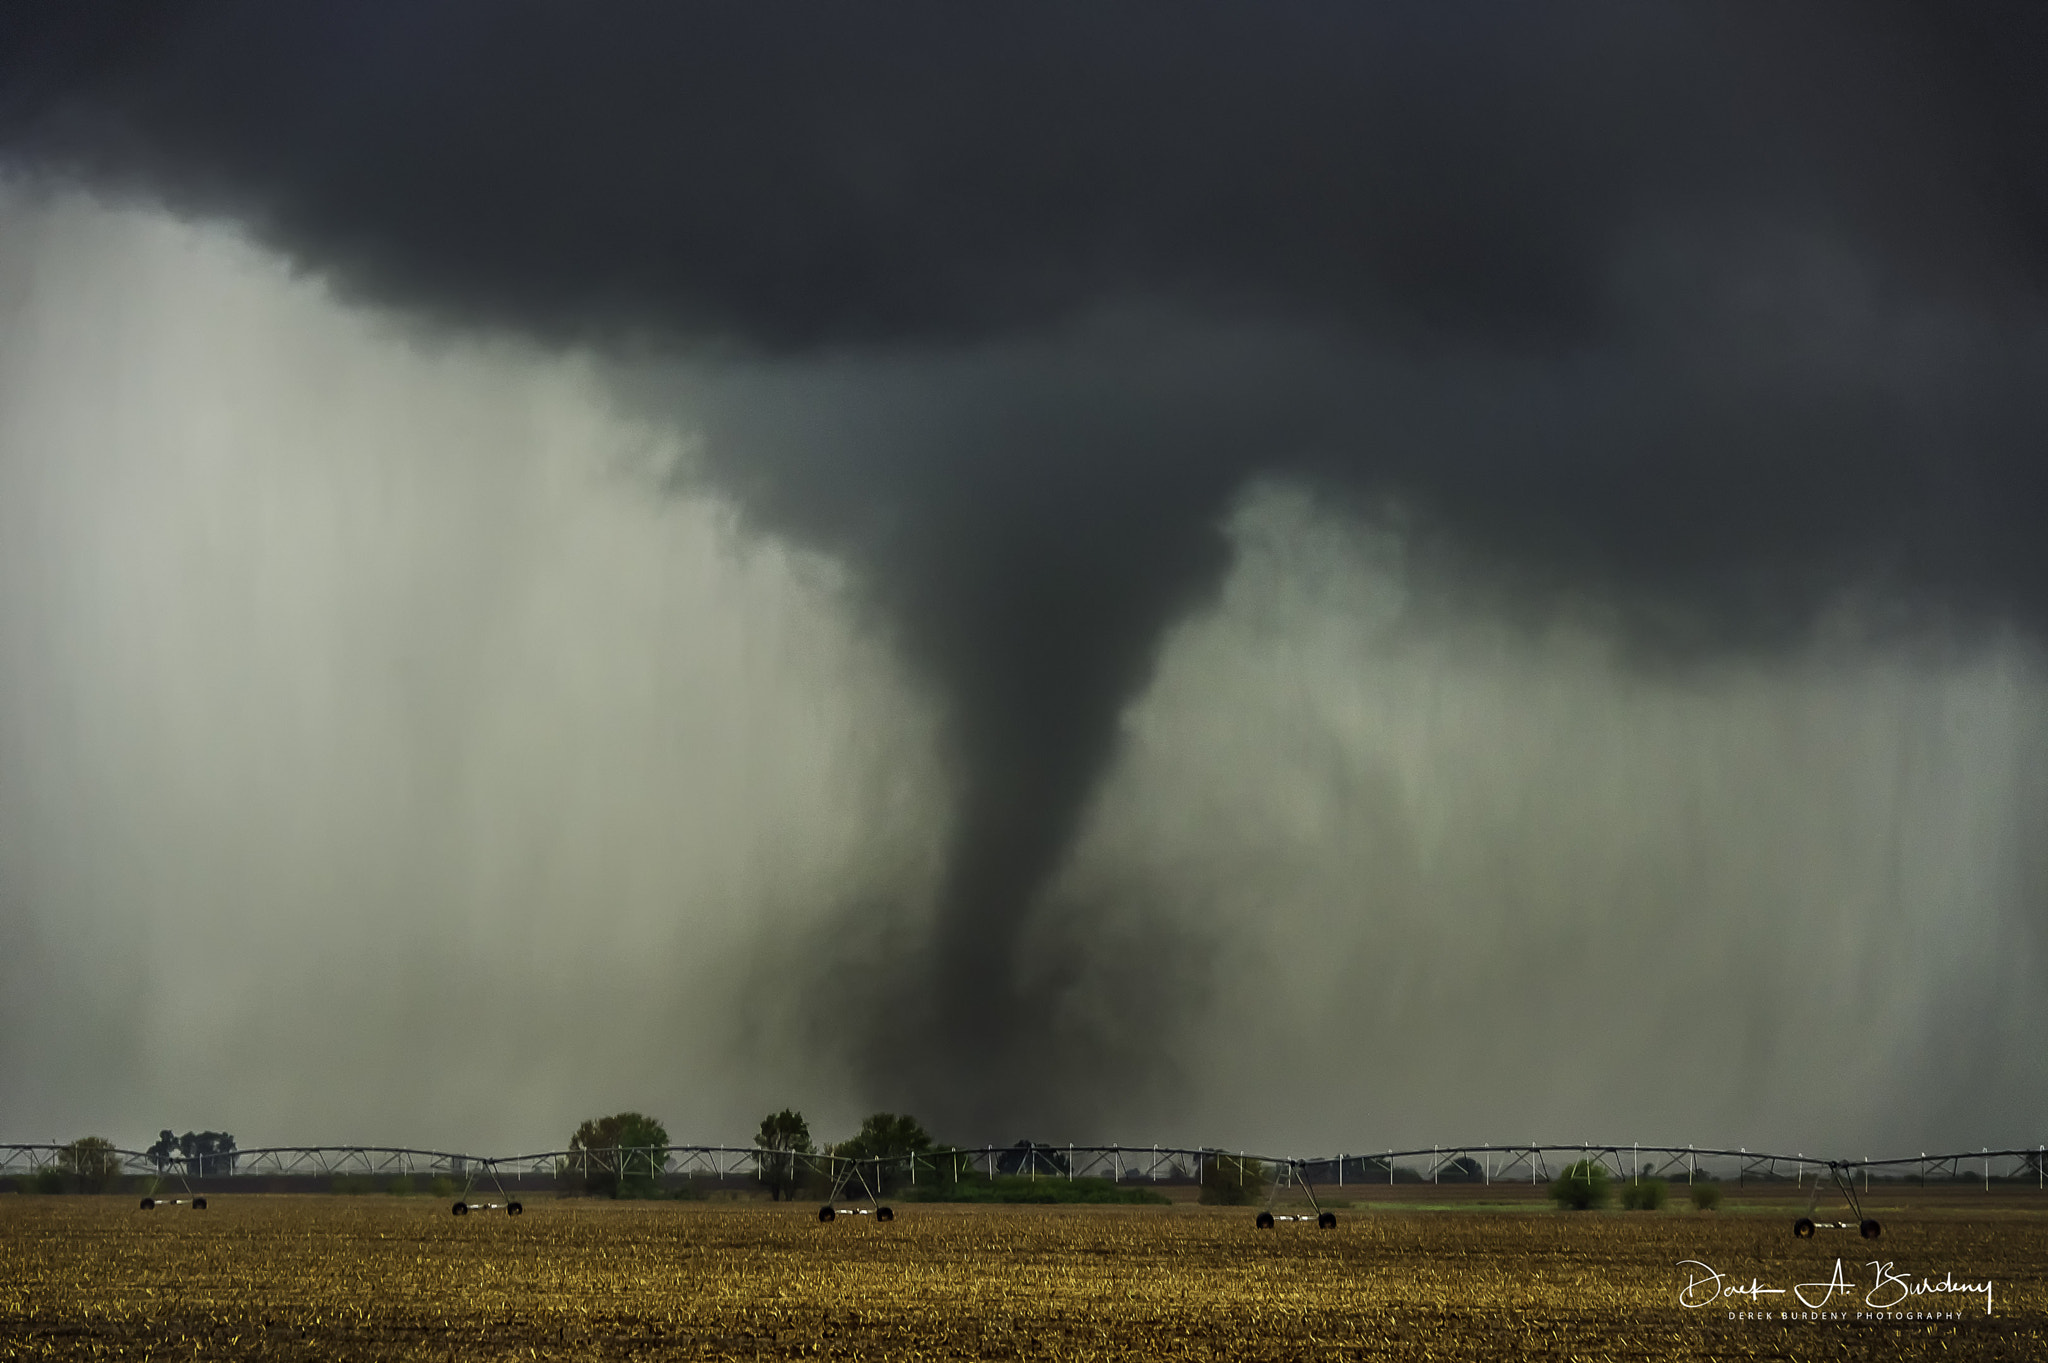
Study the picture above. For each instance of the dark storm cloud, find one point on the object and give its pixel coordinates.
(1712, 311)
(792, 175)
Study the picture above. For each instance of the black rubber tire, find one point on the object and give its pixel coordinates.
(1871, 1230)
(513, 1209)
(1803, 1228)
(461, 1209)
(1265, 1221)
(198, 1204)
(884, 1214)
(1327, 1221)
(149, 1204)
(825, 1213)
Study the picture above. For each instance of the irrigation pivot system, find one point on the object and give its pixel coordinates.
(486, 1176)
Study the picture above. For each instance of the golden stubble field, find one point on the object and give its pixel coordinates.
(373, 1278)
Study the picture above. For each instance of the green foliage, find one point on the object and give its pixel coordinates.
(620, 1155)
(443, 1187)
(49, 1181)
(1012, 1188)
(887, 1135)
(1581, 1187)
(200, 1153)
(890, 1140)
(784, 1137)
(1234, 1181)
(93, 1163)
(400, 1186)
(1643, 1194)
(1706, 1196)
(352, 1185)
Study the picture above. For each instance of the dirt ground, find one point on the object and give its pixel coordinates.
(1414, 1273)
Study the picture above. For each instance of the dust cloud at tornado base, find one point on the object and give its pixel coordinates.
(391, 753)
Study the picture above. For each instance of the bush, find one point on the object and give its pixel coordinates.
(400, 1186)
(443, 1186)
(49, 1181)
(1233, 1181)
(1643, 1194)
(1581, 1187)
(1706, 1196)
(352, 1185)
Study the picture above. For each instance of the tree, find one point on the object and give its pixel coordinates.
(203, 1153)
(888, 1140)
(164, 1151)
(93, 1161)
(783, 1137)
(622, 1155)
(1030, 1158)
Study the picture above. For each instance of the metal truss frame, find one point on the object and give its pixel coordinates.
(1119, 1163)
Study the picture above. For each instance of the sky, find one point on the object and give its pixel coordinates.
(1296, 576)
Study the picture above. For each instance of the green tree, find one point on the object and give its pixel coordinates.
(93, 1161)
(885, 1145)
(621, 1155)
(202, 1153)
(784, 1137)
(164, 1151)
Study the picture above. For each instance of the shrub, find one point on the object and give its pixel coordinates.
(400, 1186)
(49, 1181)
(1643, 1194)
(443, 1186)
(1706, 1196)
(1233, 1181)
(1581, 1187)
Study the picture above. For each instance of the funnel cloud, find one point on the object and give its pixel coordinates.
(1306, 546)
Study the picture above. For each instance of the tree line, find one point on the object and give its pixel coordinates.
(619, 1159)
(888, 1152)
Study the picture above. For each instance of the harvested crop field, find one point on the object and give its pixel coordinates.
(373, 1277)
